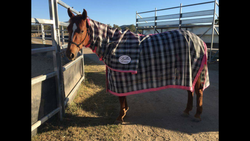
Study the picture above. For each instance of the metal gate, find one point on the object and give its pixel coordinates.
(50, 92)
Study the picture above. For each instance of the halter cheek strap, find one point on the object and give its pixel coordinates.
(78, 45)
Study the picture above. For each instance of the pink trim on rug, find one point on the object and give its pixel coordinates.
(87, 45)
(150, 90)
(107, 82)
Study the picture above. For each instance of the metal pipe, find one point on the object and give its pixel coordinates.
(212, 37)
(40, 78)
(177, 7)
(43, 49)
(53, 17)
(65, 67)
(45, 118)
(43, 35)
(155, 20)
(180, 16)
(67, 6)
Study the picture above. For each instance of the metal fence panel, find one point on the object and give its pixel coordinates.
(199, 20)
(146, 24)
(174, 22)
(48, 91)
(43, 99)
(198, 13)
(164, 17)
(72, 75)
(185, 20)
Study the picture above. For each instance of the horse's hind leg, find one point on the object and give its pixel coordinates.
(199, 93)
(189, 103)
(123, 109)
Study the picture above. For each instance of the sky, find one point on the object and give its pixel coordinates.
(119, 12)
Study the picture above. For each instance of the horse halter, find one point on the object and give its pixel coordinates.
(78, 45)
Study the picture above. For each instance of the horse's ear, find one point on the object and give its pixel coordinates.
(70, 13)
(84, 14)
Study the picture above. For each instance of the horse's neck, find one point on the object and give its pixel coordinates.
(99, 36)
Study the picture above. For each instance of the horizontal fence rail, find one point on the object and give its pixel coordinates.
(44, 49)
(176, 7)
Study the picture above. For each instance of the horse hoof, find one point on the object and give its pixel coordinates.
(127, 109)
(118, 122)
(196, 119)
(184, 114)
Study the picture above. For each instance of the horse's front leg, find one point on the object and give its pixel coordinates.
(123, 109)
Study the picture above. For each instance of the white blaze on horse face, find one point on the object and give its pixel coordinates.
(73, 29)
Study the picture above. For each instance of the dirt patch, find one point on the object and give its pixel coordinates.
(157, 115)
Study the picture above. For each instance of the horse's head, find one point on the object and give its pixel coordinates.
(78, 33)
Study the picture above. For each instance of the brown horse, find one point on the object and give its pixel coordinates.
(78, 37)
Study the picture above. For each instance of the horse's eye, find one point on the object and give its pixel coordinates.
(82, 31)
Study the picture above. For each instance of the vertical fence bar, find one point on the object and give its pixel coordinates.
(62, 35)
(38, 31)
(43, 35)
(59, 59)
(155, 20)
(136, 25)
(55, 42)
(180, 16)
(83, 72)
(212, 36)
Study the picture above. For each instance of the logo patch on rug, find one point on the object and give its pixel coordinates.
(124, 59)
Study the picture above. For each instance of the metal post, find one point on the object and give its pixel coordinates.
(136, 25)
(155, 20)
(62, 35)
(56, 55)
(59, 59)
(43, 35)
(212, 36)
(38, 31)
(83, 72)
(180, 16)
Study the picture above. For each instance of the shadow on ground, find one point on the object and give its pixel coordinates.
(104, 105)
(161, 109)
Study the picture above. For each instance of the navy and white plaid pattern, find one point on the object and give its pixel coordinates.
(109, 44)
(171, 59)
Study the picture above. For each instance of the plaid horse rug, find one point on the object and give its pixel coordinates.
(139, 63)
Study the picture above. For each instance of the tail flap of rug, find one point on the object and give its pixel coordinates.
(204, 74)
